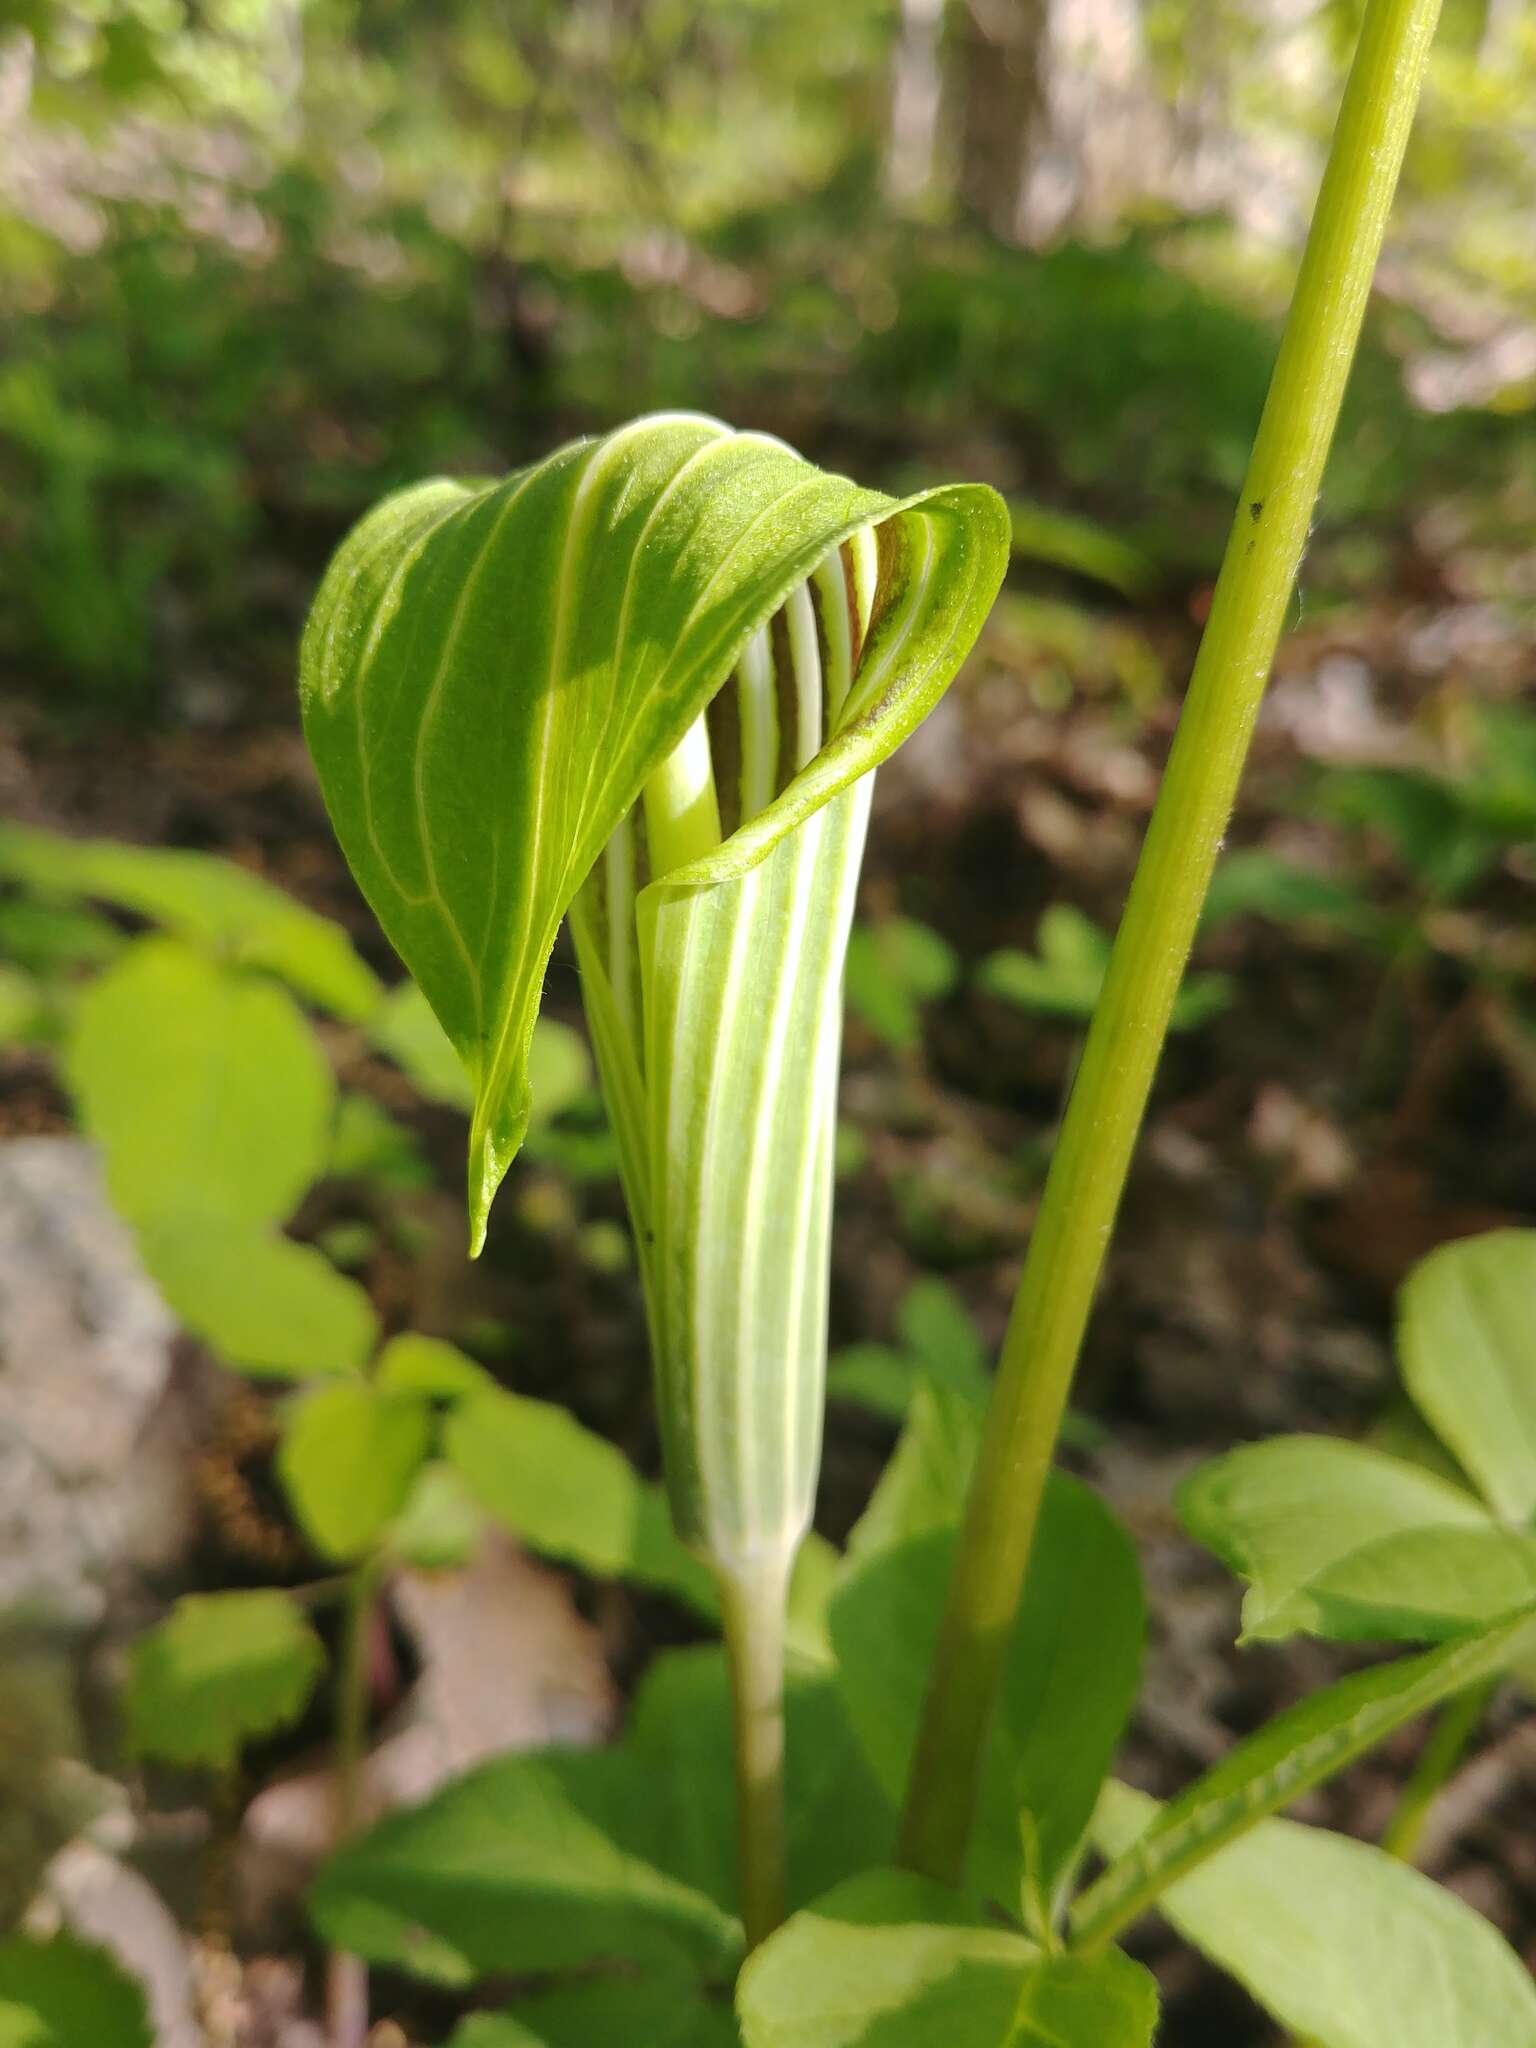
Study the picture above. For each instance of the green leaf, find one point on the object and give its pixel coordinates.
(893, 967)
(923, 1486)
(892, 1961)
(569, 1493)
(662, 2009)
(1347, 1947)
(874, 1376)
(403, 1026)
(220, 1670)
(23, 1007)
(1467, 1340)
(1065, 978)
(1420, 816)
(204, 1086)
(209, 902)
(940, 1343)
(261, 1302)
(1256, 883)
(564, 1860)
(1068, 1685)
(1422, 1585)
(414, 1364)
(368, 1144)
(347, 1459)
(1288, 1756)
(439, 1524)
(1283, 1513)
(65, 1993)
(621, 579)
(1104, 2001)
(50, 938)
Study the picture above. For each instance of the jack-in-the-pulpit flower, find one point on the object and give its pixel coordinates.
(646, 682)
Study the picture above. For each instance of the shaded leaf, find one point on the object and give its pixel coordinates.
(1065, 976)
(65, 1993)
(922, 1488)
(660, 2010)
(893, 968)
(1256, 883)
(1422, 1585)
(220, 1670)
(1073, 1665)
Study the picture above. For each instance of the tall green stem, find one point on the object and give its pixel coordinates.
(1082, 1194)
(752, 1605)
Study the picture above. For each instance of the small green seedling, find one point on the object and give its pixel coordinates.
(1065, 978)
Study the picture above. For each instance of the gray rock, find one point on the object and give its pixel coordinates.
(95, 1477)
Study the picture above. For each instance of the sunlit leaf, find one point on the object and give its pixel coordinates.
(259, 1301)
(569, 1493)
(347, 1458)
(210, 902)
(204, 1086)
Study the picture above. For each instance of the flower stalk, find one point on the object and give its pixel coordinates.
(1109, 1096)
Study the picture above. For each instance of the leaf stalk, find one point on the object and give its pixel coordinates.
(1104, 1114)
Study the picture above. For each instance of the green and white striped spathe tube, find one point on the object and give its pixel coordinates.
(716, 1009)
(648, 678)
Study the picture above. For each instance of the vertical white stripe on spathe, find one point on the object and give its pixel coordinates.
(619, 880)
(832, 589)
(866, 574)
(758, 699)
(805, 660)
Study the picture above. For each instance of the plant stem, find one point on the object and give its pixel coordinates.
(1098, 1134)
(752, 1604)
(346, 1977)
(1447, 1741)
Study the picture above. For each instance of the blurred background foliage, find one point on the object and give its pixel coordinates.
(262, 259)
